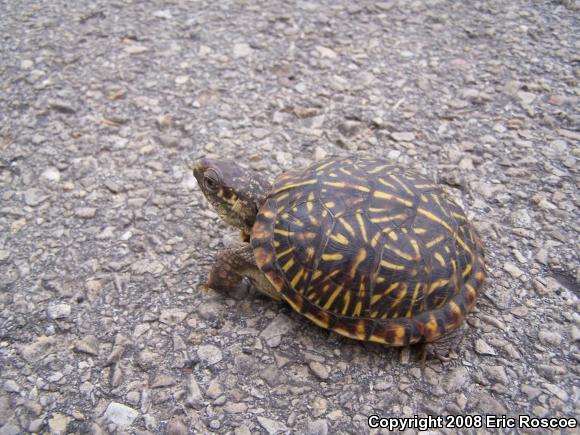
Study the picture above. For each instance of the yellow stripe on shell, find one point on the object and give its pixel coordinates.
(399, 252)
(403, 185)
(282, 197)
(437, 284)
(357, 309)
(346, 303)
(433, 242)
(333, 297)
(283, 232)
(377, 297)
(323, 323)
(378, 169)
(392, 265)
(387, 184)
(324, 165)
(286, 252)
(362, 227)
(332, 257)
(439, 259)
(384, 195)
(339, 238)
(343, 185)
(288, 265)
(413, 299)
(445, 225)
(360, 257)
(297, 278)
(295, 185)
(388, 218)
(467, 270)
(436, 199)
(347, 226)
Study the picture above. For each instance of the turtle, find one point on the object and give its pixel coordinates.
(360, 246)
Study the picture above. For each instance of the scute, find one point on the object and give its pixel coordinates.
(370, 250)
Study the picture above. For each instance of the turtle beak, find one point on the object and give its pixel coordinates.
(199, 168)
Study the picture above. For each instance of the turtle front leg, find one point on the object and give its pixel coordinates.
(234, 263)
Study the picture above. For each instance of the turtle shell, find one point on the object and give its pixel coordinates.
(369, 250)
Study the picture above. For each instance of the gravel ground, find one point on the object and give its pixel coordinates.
(105, 237)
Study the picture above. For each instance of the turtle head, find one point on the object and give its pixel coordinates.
(235, 193)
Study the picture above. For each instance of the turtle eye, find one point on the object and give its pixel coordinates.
(211, 180)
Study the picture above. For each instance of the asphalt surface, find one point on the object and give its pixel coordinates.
(105, 237)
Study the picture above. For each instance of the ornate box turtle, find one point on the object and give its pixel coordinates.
(360, 246)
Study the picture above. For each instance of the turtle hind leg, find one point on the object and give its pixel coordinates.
(234, 263)
(440, 349)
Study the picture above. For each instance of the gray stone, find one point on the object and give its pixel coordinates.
(521, 218)
(194, 396)
(58, 424)
(235, 408)
(482, 348)
(209, 311)
(10, 428)
(172, 316)
(242, 50)
(273, 427)
(51, 174)
(121, 415)
(176, 426)
(319, 153)
(38, 349)
(550, 337)
(557, 391)
(319, 370)
(11, 386)
(209, 354)
(456, 379)
(89, 345)
(214, 389)
(272, 376)
(162, 380)
(403, 136)
(317, 427)
(58, 311)
(62, 106)
(153, 267)
(86, 212)
(326, 52)
(488, 405)
(278, 327)
(319, 406)
(497, 374)
(512, 269)
(34, 197)
(242, 430)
